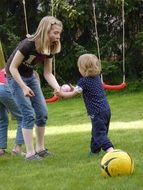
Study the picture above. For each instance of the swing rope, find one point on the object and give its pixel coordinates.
(123, 48)
(123, 84)
(25, 16)
(54, 60)
(54, 97)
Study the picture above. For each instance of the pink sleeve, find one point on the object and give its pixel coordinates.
(3, 76)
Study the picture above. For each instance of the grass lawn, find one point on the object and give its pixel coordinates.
(68, 137)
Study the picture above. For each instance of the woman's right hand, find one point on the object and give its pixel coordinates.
(28, 92)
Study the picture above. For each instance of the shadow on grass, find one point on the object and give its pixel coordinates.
(124, 108)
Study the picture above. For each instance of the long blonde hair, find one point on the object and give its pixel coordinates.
(43, 29)
(89, 64)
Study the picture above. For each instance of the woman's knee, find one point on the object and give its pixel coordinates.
(28, 122)
(42, 119)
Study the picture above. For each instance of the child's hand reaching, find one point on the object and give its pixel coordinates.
(66, 94)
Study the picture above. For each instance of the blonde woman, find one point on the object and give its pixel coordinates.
(37, 48)
(95, 101)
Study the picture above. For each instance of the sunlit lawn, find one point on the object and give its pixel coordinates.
(68, 137)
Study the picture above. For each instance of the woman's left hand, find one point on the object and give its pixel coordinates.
(28, 92)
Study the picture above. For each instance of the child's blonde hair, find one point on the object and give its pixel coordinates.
(90, 64)
(42, 31)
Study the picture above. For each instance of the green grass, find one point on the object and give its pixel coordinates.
(68, 136)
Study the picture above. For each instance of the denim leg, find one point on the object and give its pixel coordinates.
(30, 106)
(13, 108)
(39, 103)
(94, 145)
(24, 103)
(8, 104)
(3, 124)
(100, 125)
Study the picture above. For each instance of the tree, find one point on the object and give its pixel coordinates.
(78, 36)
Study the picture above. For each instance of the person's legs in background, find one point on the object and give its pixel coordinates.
(8, 104)
(3, 128)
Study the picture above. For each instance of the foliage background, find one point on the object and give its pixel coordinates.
(79, 34)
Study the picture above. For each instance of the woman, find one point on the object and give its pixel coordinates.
(39, 47)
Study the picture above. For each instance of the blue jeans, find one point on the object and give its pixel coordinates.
(100, 127)
(7, 103)
(34, 109)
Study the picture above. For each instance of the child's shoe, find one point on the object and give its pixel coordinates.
(110, 149)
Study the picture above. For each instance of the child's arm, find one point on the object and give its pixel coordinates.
(70, 94)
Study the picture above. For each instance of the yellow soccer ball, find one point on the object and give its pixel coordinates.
(117, 163)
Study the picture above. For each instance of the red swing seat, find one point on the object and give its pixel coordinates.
(114, 87)
(52, 99)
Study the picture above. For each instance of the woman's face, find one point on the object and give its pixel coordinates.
(55, 33)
